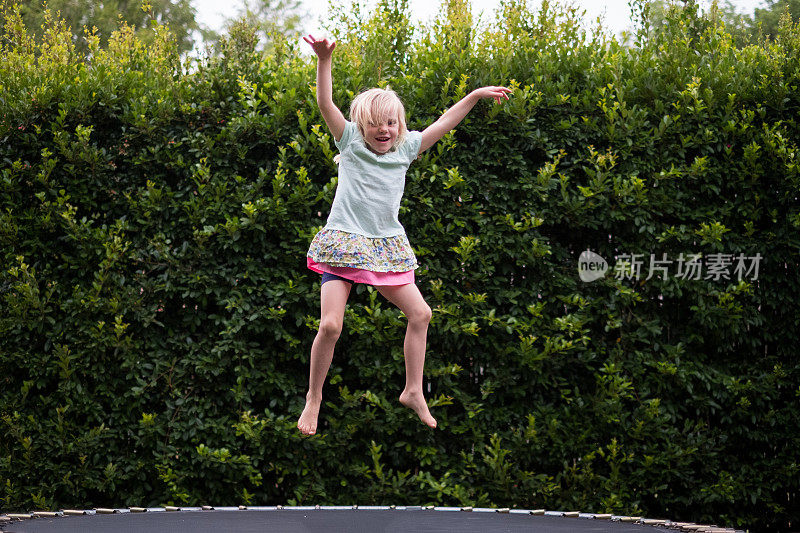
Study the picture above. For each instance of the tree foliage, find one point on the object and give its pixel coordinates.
(103, 18)
(767, 19)
(156, 314)
(745, 28)
(271, 20)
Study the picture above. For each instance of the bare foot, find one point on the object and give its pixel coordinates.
(416, 401)
(308, 420)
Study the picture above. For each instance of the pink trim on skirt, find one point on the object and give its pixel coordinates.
(360, 275)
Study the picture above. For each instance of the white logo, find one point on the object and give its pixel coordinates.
(591, 266)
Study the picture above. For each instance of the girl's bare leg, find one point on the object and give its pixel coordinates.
(333, 298)
(410, 301)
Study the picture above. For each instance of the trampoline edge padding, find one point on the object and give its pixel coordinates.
(11, 520)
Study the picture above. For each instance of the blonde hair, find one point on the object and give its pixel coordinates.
(375, 105)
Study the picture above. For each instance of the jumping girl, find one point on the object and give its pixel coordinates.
(363, 241)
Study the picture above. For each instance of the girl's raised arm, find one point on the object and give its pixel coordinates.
(333, 117)
(456, 114)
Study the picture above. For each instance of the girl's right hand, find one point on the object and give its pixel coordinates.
(322, 47)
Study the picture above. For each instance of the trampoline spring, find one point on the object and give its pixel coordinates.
(538, 512)
(105, 511)
(504, 510)
(171, 508)
(207, 508)
(371, 508)
(73, 512)
(137, 509)
(571, 514)
(19, 516)
(45, 514)
(467, 509)
(602, 516)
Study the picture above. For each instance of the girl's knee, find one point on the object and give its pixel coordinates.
(421, 314)
(330, 328)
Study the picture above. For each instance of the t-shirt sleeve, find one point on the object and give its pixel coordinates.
(410, 147)
(349, 133)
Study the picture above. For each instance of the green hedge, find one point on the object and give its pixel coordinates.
(156, 314)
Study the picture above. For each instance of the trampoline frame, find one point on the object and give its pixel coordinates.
(9, 518)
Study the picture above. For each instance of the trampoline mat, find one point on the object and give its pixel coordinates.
(317, 521)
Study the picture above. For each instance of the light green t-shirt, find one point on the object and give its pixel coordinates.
(370, 186)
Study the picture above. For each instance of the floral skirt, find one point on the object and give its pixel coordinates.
(375, 261)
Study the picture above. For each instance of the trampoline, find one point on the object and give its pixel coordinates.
(334, 519)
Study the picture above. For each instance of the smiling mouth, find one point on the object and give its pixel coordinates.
(382, 139)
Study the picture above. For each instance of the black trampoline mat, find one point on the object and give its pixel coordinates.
(319, 521)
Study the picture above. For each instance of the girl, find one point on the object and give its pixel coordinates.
(363, 241)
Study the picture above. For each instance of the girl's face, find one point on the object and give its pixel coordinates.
(380, 137)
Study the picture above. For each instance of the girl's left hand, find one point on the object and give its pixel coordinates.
(498, 93)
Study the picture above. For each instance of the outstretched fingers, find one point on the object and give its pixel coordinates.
(322, 47)
(498, 93)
